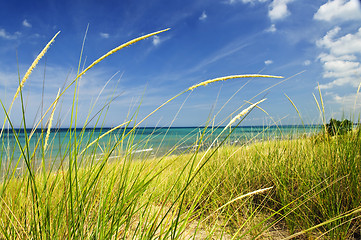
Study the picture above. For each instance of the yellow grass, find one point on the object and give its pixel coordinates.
(205, 83)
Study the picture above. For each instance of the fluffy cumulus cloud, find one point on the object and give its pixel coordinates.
(278, 9)
(203, 16)
(339, 10)
(341, 58)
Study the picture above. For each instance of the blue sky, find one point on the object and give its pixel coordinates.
(318, 41)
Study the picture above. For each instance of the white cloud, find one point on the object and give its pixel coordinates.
(340, 10)
(348, 44)
(339, 82)
(268, 62)
(341, 66)
(104, 35)
(203, 16)
(26, 23)
(278, 9)
(5, 35)
(272, 28)
(156, 40)
(342, 62)
(350, 102)
(324, 57)
(307, 63)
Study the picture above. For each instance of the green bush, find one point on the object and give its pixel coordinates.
(336, 127)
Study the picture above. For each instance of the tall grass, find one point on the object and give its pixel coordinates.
(280, 188)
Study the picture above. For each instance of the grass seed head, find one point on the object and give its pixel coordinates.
(51, 120)
(118, 48)
(33, 65)
(244, 112)
(205, 83)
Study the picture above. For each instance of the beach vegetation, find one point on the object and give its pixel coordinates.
(96, 184)
(337, 127)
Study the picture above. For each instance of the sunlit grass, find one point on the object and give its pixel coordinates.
(308, 186)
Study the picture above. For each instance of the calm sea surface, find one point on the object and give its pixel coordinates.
(152, 141)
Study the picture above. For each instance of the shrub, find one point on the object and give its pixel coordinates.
(336, 127)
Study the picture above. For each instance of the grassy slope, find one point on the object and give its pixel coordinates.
(315, 186)
(313, 180)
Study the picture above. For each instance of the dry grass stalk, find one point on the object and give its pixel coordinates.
(51, 120)
(244, 112)
(31, 68)
(230, 77)
(27, 74)
(245, 195)
(106, 133)
(118, 48)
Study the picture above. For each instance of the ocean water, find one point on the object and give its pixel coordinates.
(140, 142)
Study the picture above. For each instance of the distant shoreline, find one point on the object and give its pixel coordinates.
(62, 129)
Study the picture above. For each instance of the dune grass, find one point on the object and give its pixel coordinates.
(307, 182)
(307, 187)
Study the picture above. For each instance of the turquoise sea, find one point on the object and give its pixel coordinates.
(149, 141)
